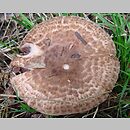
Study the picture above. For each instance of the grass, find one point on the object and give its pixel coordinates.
(117, 25)
(24, 21)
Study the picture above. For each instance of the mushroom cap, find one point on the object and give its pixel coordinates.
(71, 66)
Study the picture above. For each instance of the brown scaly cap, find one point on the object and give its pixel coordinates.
(70, 63)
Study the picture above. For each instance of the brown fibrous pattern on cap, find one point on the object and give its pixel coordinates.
(93, 67)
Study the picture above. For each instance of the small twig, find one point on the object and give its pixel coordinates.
(95, 113)
(6, 29)
(1, 25)
(6, 95)
(7, 50)
(80, 38)
(99, 111)
(5, 55)
(18, 115)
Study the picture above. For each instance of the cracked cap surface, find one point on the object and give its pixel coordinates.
(70, 64)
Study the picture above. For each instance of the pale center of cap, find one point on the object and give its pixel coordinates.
(66, 66)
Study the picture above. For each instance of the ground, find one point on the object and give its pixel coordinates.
(13, 28)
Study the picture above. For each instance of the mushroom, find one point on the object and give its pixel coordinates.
(69, 64)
